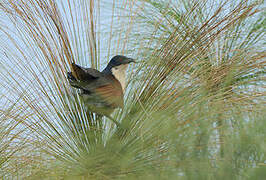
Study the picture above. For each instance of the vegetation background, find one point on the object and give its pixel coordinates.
(194, 105)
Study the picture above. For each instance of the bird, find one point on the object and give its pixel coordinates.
(102, 92)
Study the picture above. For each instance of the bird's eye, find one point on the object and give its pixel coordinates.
(116, 68)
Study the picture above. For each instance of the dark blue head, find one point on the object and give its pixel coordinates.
(117, 61)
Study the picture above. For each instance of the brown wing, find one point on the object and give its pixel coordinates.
(112, 93)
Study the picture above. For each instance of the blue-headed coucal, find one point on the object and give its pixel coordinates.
(102, 91)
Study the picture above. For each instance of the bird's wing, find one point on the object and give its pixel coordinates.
(84, 74)
(111, 92)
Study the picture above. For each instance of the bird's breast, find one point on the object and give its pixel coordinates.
(120, 75)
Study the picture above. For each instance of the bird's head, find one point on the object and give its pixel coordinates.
(118, 64)
(117, 67)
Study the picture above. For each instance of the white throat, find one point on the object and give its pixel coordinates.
(119, 73)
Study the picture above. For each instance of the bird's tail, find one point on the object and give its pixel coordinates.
(76, 83)
(70, 77)
(78, 72)
(72, 80)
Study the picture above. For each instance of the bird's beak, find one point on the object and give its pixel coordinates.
(130, 60)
